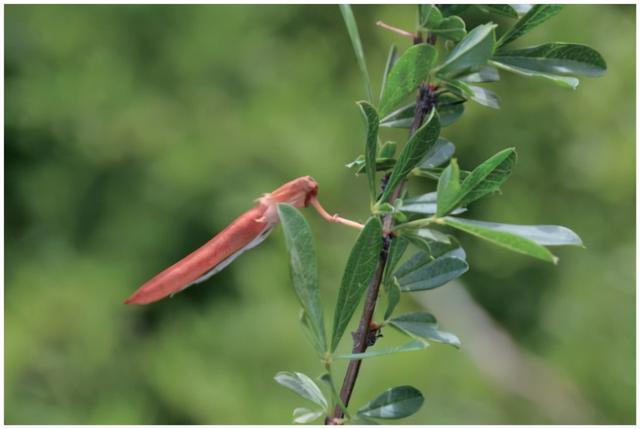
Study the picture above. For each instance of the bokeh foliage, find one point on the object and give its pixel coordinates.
(134, 133)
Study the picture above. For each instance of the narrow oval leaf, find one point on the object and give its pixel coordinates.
(448, 188)
(304, 271)
(563, 81)
(472, 52)
(476, 93)
(485, 74)
(357, 274)
(400, 118)
(425, 326)
(556, 58)
(433, 274)
(487, 177)
(354, 35)
(485, 97)
(438, 154)
(371, 147)
(394, 403)
(429, 16)
(409, 347)
(415, 149)
(393, 298)
(452, 28)
(507, 240)
(484, 179)
(498, 9)
(391, 60)
(303, 386)
(409, 71)
(449, 113)
(424, 204)
(546, 235)
(534, 17)
(305, 415)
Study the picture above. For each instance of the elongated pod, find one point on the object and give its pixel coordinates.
(244, 233)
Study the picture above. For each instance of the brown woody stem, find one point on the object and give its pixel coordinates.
(424, 103)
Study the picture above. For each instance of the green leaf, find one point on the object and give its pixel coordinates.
(357, 274)
(354, 35)
(371, 147)
(546, 235)
(394, 403)
(440, 152)
(487, 177)
(453, 9)
(409, 347)
(536, 16)
(563, 81)
(429, 16)
(305, 415)
(391, 60)
(508, 240)
(478, 94)
(472, 52)
(428, 234)
(393, 298)
(435, 173)
(484, 179)
(400, 118)
(448, 188)
(424, 273)
(452, 28)
(303, 386)
(409, 71)
(449, 113)
(335, 396)
(498, 9)
(555, 58)
(485, 74)
(304, 271)
(388, 150)
(485, 97)
(415, 149)
(424, 204)
(396, 250)
(425, 326)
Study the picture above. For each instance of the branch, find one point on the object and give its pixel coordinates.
(363, 336)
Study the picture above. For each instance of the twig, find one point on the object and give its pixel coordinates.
(424, 104)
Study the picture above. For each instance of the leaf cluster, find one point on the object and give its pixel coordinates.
(444, 71)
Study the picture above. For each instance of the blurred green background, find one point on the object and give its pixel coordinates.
(134, 133)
